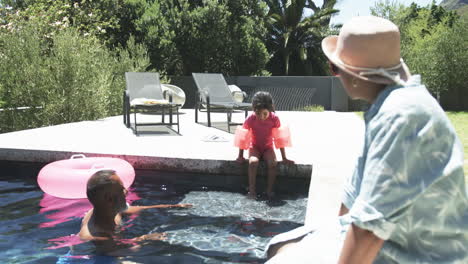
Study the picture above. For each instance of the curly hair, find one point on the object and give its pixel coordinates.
(263, 100)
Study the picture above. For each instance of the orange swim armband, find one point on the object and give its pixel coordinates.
(282, 137)
(242, 138)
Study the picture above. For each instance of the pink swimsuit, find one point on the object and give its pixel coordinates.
(262, 139)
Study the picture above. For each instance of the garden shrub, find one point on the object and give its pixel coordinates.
(23, 73)
(311, 108)
(65, 77)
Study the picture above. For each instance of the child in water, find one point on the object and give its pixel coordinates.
(261, 123)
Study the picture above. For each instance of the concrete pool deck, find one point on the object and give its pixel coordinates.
(326, 141)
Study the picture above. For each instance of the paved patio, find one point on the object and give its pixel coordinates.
(327, 141)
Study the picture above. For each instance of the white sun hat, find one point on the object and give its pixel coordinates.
(368, 48)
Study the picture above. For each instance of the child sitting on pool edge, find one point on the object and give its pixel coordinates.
(107, 194)
(261, 124)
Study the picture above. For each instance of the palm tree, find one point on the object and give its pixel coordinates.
(291, 34)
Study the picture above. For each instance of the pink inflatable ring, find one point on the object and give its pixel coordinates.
(68, 178)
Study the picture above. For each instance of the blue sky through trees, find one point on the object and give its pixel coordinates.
(350, 8)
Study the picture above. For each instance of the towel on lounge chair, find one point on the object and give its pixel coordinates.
(148, 101)
(144, 93)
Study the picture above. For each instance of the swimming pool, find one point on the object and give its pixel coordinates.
(222, 226)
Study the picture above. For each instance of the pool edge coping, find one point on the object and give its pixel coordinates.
(209, 166)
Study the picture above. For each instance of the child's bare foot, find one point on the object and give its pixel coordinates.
(270, 195)
(185, 205)
(240, 159)
(251, 195)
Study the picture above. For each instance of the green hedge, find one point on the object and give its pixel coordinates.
(62, 77)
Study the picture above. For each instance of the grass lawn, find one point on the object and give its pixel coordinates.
(460, 122)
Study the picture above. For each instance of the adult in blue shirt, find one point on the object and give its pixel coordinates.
(407, 200)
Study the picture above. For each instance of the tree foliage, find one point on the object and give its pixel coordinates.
(392, 10)
(51, 73)
(294, 40)
(98, 18)
(433, 48)
(432, 45)
(185, 36)
(204, 36)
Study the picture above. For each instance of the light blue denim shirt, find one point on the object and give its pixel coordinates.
(408, 187)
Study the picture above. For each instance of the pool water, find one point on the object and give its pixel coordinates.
(223, 226)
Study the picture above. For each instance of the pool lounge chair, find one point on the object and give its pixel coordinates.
(144, 94)
(214, 95)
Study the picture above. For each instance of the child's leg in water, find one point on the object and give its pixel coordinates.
(254, 157)
(270, 158)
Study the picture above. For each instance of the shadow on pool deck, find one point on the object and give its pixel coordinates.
(328, 141)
